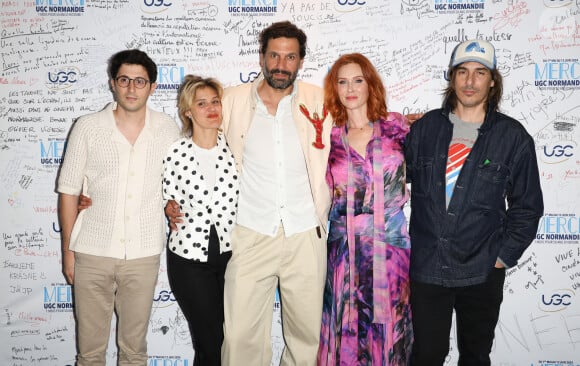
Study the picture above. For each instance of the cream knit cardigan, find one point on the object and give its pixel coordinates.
(126, 219)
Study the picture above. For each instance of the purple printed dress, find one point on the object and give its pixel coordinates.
(366, 316)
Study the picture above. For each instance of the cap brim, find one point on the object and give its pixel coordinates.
(473, 59)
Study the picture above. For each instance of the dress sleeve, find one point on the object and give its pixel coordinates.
(396, 127)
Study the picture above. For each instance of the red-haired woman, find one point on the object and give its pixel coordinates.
(366, 314)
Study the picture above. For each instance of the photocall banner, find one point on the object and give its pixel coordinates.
(54, 57)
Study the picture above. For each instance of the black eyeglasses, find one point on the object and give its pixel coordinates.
(124, 81)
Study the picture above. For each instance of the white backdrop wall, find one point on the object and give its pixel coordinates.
(54, 53)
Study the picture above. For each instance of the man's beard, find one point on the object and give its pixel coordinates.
(276, 83)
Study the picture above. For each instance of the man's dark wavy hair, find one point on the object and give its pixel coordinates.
(283, 29)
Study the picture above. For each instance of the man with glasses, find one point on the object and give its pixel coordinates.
(111, 250)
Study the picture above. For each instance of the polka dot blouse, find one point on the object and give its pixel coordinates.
(201, 204)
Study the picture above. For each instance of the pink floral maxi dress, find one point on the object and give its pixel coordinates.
(366, 316)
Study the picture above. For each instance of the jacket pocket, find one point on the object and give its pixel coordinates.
(489, 187)
(422, 177)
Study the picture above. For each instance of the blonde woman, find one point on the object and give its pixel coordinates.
(201, 178)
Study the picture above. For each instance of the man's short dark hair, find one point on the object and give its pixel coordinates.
(283, 29)
(132, 57)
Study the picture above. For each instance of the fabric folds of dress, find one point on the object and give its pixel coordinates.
(366, 312)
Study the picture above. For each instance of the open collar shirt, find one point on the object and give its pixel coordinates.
(274, 185)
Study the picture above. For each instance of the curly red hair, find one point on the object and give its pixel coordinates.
(377, 102)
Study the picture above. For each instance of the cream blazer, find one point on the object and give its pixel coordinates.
(239, 105)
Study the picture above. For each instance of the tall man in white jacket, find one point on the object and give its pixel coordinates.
(280, 139)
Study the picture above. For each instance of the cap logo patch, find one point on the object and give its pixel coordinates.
(474, 47)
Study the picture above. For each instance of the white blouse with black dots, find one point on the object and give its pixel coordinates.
(201, 204)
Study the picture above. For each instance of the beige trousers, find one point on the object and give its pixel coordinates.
(102, 285)
(259, 263)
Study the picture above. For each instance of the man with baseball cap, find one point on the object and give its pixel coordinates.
(475, 206)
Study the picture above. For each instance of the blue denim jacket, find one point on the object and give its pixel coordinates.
(459, 245)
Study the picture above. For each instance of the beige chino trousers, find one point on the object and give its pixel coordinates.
(259, 264)
(103, 284)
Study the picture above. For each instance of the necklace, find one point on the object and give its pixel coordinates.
(368, 125)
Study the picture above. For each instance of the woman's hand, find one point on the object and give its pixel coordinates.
(173, 214)
(413, 117)
(84, 202)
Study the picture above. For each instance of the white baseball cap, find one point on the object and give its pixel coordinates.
(474, 50)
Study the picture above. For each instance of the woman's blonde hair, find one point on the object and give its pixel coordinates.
(186, 95)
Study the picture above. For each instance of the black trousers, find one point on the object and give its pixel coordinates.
(198, 288)
(476, 310)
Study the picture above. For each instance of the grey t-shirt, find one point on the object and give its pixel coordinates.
(464, 136)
